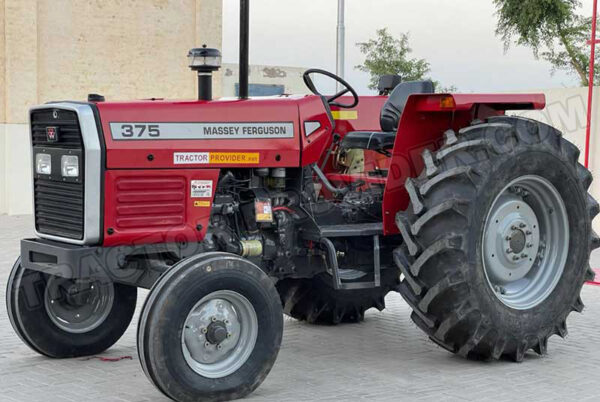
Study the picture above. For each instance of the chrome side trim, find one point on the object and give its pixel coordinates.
(93, 171)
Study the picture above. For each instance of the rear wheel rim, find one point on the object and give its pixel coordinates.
(219, 334)
(78, 306)
(525, 242)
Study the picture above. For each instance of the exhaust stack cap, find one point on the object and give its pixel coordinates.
(204, 59)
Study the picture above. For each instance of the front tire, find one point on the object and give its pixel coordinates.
(62, 318)
(210, 329)
(497, 239)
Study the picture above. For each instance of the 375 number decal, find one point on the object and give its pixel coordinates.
(140, 130)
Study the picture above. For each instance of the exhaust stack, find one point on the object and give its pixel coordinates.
(244, 47)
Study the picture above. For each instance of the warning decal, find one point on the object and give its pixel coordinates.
(201, 188)
(204, 158)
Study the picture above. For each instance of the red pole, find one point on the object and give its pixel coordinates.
(593, 42)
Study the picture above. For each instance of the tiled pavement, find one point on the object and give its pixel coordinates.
(386, 358)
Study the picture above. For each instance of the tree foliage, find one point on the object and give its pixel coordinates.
(389, 55)
(552, 29)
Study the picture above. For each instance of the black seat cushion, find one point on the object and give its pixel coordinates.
(371, 140)
(390, 118)
(393, 108)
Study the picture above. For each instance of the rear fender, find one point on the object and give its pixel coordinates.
(424, 121)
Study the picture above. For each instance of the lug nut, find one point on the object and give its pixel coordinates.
(528, 232)
(508, 238)
(226, 322)
(213, 319)
(219, 347)
(523, 255)
(529, 245)
(513, 227)
(522, 225)
(515, 258)
(206, 344)
(229, 335)
(204, 330)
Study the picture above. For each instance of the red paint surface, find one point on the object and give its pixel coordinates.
(155, 206)
(279, 152)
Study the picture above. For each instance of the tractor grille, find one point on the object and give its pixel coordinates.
(69, 133)
(59, 208)
(59, 202)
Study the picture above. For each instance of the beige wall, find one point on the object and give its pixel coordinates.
(65, 49)
(2, 74)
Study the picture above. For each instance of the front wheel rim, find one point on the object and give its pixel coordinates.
(219, 334)
(525, 242)
(78, 306)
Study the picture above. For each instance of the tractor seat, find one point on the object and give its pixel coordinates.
(381, 141)
(371, 140)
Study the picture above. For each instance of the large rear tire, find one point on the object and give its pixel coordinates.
(63, 318)
(317, 302)
(497, 239)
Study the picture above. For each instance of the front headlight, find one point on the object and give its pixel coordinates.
(69, 166)
(43, 164)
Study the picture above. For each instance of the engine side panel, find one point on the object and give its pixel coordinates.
(157, 206)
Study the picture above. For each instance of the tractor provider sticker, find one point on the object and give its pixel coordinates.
(201, 188)
(205, 158)
(200, 131)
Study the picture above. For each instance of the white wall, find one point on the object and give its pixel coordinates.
(15, 170)
(3, 189)
(566, 109)
(290, 77)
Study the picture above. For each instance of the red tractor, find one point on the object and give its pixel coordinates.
(234, 211)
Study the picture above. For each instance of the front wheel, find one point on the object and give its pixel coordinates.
(210, 329)
(60, 318)
(497, 239)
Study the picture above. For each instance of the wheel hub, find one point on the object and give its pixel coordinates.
(512, 239)
(517, 241)
(525, 242)
(219, 334)
(78, 306)
(216, 332)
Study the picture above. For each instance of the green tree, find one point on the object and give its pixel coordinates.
(389, 55)
(552, 29)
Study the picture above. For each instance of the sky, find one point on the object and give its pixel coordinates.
(455, 36)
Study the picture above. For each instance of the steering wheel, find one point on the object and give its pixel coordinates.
(332, 99)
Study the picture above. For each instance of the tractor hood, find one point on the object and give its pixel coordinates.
(182, 134)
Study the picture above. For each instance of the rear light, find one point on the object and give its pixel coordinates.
(69, 166)
(447, 102)
(43, 164)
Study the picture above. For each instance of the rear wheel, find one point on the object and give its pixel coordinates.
(497, 239)
(317, 302)
(59, 317)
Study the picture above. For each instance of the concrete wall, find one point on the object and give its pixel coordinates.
(290, 77)
(65, 49)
